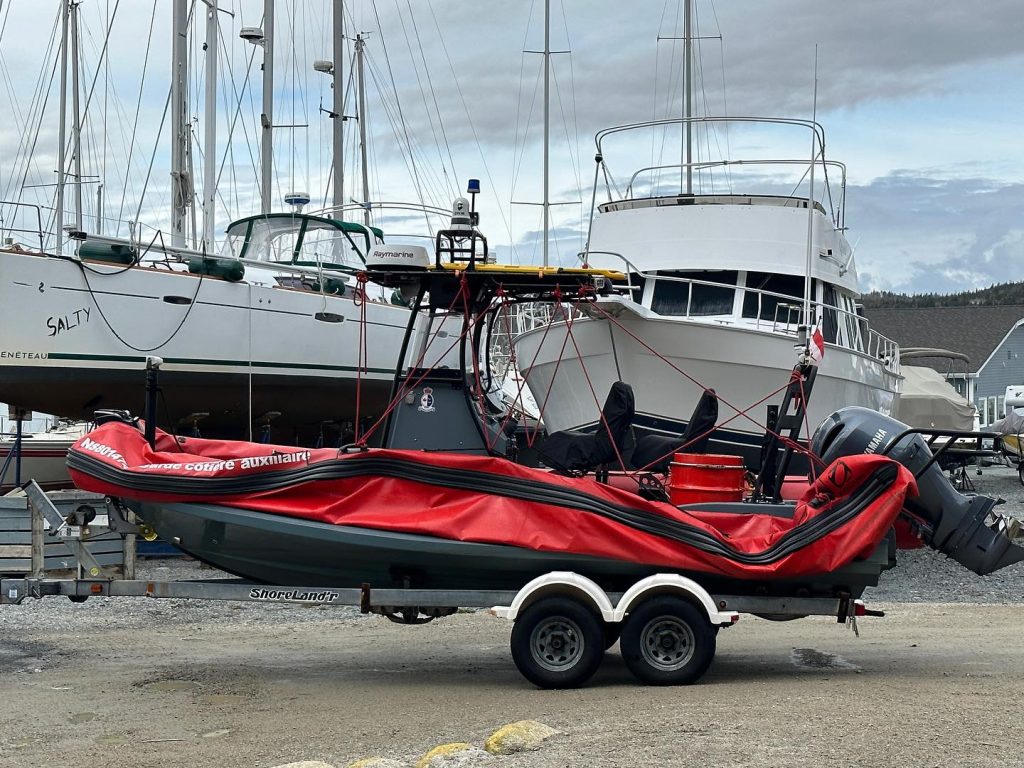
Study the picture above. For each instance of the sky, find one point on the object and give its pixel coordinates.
(923, 102)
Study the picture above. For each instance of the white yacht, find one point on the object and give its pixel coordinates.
(719, 295)
(269, 331)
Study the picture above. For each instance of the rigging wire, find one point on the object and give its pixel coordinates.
(430, 115)
(138, 109)
(40, 96)
(469, 119)
(405, 131)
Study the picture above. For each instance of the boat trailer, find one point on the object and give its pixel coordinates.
(563, 622)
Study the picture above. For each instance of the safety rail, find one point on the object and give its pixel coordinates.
(711, 164)
(814, 127)
(860, 336)
(9, 231)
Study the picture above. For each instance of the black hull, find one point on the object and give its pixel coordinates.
(275, 549)
(304, 402)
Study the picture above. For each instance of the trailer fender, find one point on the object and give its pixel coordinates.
(558, 583)
(672, 584)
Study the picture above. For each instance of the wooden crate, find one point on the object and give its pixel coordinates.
(16, 522)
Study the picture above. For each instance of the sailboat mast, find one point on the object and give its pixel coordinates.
(210, 126)
(267, 118)
(181, 192)
(688, 94)
(360, 43)
(62, 127)
(546, 204)
(339, 105)
(76, 116)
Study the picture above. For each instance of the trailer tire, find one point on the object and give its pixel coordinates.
(667, 641)
(78, 598)
(557, 643)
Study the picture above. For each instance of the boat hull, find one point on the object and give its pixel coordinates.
(746, 368)
(44, 461)
(287, 551)
(74, 337)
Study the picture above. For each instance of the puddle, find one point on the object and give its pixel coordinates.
(222, 698)
(82, 717)
(808, 658)
(172, 685)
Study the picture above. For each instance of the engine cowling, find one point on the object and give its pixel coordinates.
(965, 528)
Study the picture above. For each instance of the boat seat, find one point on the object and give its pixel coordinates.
(577, 452)
(655, 452)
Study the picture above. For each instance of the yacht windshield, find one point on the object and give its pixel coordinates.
(695, 294)
(298, 240)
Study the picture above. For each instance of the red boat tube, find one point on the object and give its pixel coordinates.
(841, 517)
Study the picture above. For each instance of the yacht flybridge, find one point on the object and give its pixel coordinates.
(723, 286)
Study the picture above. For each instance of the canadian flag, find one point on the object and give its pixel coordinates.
(816, 347)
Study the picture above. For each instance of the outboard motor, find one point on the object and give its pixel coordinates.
(964, 528)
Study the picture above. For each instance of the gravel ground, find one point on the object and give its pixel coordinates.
(173, 682)
(924, 575)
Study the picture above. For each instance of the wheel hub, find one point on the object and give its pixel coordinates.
(667, 643)
(557, 644)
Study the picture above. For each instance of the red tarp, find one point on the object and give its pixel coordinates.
(484, 514)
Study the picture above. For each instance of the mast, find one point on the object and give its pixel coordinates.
(76, 116)
(62, 126)
(546, 204)
(688, 94)
(210, 127)
(360, 43)
(267, 118)
(181, 193)
(339, 105)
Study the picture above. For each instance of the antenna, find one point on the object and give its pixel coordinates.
(808, 283)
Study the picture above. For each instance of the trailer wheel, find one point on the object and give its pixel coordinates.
(667, 641)
(557, 643)
(78, 598)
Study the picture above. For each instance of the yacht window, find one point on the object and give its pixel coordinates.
(830, 317)
(787, 285)
(638, 282)
(691, 298)
(327, 245)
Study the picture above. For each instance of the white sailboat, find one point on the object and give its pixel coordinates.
(725, 286)
(267, 332)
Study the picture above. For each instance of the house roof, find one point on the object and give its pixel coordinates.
(975, 331)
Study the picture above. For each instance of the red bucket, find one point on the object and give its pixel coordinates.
(700, 477)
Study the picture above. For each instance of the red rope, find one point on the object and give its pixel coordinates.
(408, 384)
(744, 413)
(362, 356)
(593, 393)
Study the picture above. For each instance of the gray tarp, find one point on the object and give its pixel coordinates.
(1011, 424)
(929, 402)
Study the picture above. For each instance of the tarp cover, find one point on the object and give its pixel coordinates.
(929, 402)
(842, 516)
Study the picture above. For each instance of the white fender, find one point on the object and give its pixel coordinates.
(564, 582)
(669, 583)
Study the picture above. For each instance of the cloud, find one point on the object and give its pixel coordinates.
(922, 233)
(892, 82)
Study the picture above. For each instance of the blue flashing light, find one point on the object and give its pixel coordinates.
(473, 187)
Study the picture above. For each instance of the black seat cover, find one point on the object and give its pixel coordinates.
(570, 451)
(654, 452)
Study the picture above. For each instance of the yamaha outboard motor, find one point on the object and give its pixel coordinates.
(964, 528)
